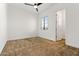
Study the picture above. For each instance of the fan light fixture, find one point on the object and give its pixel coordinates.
(35, 6)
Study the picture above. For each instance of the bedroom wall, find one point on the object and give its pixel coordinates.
(72, 22)
(21, 23)
(3, 25)
(73, 25)
(51, 13)
(50, 33)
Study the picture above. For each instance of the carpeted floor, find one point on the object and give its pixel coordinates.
(38, 47)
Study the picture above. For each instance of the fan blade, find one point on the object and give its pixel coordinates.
(39, 4)
(28, 4)
(37, 9)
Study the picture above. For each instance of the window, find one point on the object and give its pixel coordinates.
(45, 23)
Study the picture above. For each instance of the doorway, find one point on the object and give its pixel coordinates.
(60, 24)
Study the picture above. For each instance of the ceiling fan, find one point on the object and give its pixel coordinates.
(35, 5)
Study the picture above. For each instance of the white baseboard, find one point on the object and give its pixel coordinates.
(48, 38)
(73, 44)
(17, 38)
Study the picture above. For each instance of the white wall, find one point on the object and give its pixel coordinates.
(72, 23)
(21, 23)
(50, 33)
(51, 13)
(3, 26)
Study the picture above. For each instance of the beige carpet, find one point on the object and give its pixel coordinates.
(38, 47)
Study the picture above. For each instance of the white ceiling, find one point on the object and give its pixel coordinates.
(42, 7)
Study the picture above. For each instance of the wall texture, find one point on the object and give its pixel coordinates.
(21, 23)
(3, 25)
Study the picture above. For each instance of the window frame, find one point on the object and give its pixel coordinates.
(45, 23)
